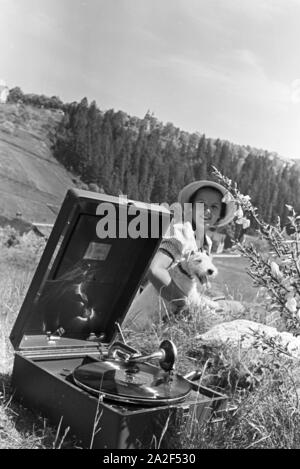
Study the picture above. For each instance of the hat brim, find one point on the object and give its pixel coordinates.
(188, 191)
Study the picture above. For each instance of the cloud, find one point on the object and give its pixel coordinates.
(295, 91)
(248, 75)
(260, 10)
(240, 74)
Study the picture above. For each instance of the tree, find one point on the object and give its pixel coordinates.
(15, 95)
(200, 166)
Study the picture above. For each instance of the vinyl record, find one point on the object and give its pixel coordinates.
(132, 383)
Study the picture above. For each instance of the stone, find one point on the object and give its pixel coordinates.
(245, 333)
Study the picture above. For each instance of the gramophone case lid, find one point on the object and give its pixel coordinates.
(96, 256)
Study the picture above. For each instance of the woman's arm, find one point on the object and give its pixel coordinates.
(159, 277)
(171, 250)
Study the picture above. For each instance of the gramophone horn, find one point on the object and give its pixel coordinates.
(166, 355)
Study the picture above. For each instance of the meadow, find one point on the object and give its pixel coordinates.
(263, 388)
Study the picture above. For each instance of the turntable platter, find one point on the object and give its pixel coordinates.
(131, 382)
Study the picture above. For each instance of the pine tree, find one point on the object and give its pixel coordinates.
(200, 165)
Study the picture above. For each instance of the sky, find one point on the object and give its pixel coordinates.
(226, 68)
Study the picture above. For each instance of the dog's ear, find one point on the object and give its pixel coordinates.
(186, 255)
(208, 253)
(190, 253)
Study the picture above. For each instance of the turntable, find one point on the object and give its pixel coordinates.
(71, 361)
(128, 378)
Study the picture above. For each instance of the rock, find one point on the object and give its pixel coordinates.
(245, 333)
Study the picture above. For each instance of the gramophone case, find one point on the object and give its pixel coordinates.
(78, 297)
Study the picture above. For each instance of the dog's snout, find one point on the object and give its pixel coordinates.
(210, 272)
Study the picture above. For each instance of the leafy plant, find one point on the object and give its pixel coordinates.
(277, 271)
(20, 250)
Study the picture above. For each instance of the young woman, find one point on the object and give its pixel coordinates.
(218, 209)
(209, 205)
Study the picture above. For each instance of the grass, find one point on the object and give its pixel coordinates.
(233, 280)
(19, 427)
(267, 418)
(264, 388)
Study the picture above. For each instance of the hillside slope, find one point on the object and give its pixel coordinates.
(30, 177)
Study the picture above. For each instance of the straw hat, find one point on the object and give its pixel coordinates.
(188, 191)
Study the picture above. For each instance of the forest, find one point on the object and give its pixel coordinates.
(151, 161)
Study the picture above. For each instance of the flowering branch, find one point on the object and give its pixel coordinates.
(279, 272)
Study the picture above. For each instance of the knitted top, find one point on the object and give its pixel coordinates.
(173, 247)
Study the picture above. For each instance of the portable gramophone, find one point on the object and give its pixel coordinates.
(71, 362)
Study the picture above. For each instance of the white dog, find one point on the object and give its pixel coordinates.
(190, 274)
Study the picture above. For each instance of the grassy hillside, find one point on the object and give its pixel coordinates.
(30, 177)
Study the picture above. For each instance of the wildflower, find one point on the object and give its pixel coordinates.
(227, 198)
(245, 198)
(239, 213)
(275, 270)
(244, 222)
(291, 305)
